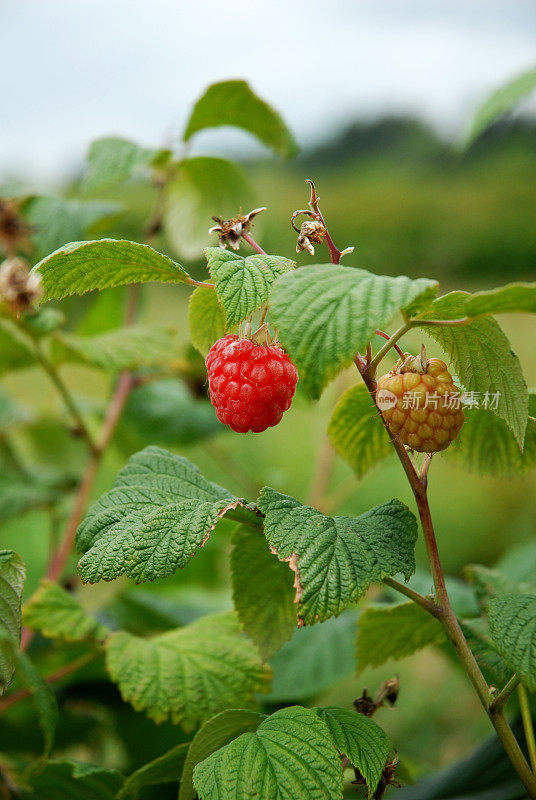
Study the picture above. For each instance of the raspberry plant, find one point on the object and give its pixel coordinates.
(260, 322)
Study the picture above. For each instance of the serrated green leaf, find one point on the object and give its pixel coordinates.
(314, 659)
(483, 359)
(243, 284)
(204, 188)
(394, 631)
(503, 300)
(56, 220)
(206, 319)
(127, 348)
(290, 756)
(188, 675)
(57, 614)
(234, 103)
(487, 445)
(12, 576)
(80, 267)
(215, 733)
(77, 781)
(262, 591)
(324, 314)
(512, 621)
(164, 769)
(159, 511)
(335, 559)
(357, 432)
(500, 102)
(360, 739)
(166, 412)
(114, 160)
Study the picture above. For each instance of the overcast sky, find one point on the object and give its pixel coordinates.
(73, 70)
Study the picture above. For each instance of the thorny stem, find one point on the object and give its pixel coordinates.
(442, 608)
(334, 252)
(527, 724)
(251, 241)
(62, 672)
(65, 394)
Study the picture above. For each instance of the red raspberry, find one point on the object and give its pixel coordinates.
(250, 385)
(421, 403)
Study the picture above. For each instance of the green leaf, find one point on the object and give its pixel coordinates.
(77, 781)
(324, 314)
(12, 575)
(360, 739)
(188, 674)
(243, 284)
(357, 432)
(215, 733)
(206, 319)
(234, 103)
(512, 621)
(106, 312)
(262, 591)
(335, 559)
(504, 300)
(166, 412)
(56, 220)
(164, 769)
(394, 631)
(57, 614)
(492, 665)
(159, 511)
(483, 359)
(487, 445)
(499, 103)
(80, 267)
(205, 187)
(314, 659)
(290, 756)
(42, 696)
(127, 348)
(113, 160)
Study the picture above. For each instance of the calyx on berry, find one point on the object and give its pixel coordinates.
(420, 403)
(251, 383)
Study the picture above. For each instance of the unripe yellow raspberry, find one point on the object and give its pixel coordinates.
(421, 403)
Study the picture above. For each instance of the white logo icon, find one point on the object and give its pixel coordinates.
(386, 399)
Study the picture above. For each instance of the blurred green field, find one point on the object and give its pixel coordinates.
(470, 223)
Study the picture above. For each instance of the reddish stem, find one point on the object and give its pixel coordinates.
(251, 241)
(386, 336)
(334, 252)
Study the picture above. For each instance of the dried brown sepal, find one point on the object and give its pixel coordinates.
(20, 289)
(410, 363)
(14, 230)
(311, 232)
(388, 691)
(230, 230)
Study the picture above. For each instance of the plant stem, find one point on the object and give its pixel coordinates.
(391, 342)
(60, 673)
(65, 394)
(251, 241)
(527, 724)
(424, 602)
(443, 609)
(386, 336)
(502, 698)
(417, 323)
(203, 285)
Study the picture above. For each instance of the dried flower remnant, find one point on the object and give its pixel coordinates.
(311, 232)
(20, 289)
(14, 230)
(230, 230)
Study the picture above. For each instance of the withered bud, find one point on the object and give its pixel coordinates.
(14, 230)
(230, 230)
(311, 232)
(365, 704)
(20, 289)
(388, 691)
